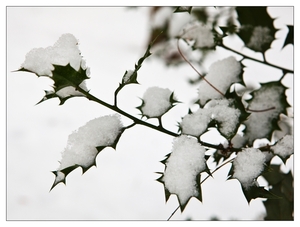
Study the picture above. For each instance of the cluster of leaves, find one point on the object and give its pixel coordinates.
(255, 28)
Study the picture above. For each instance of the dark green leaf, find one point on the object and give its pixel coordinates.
(258, 192)
(201, 14)
(65, 76)
(51, 94)
(182, 9)
(282, 185)
(65, 171)
(273, 174)
(290, 36)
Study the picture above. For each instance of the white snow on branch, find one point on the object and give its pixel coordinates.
(156, 102)
(64, 51)
(248, 165)
(81, 148)
(221, 75)
(284, 147)
(182, 167)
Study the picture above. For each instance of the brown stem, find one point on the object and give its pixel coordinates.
(258, 111)
(202, 77)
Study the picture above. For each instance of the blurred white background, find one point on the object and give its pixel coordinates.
(123, 185)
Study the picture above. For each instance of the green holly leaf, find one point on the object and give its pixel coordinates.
(282, 185)
(52, 94)
(65, 76)
(258, 192)
(201, 14)
(257, 29)
(182, 9)
(265, 106)
(290, 36)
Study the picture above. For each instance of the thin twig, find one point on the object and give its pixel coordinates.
(258, 111)
(223, 164)
(173, 213)
(257, 60)
(187, 61)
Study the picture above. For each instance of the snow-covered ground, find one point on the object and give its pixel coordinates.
(123, 186)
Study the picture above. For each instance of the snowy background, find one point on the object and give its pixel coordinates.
(123, 186)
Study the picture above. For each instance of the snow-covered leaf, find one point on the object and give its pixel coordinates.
(266, 105)
(247, 166)
(65, 51)
(284, 147)
(156, 102)
(257, 29)
(85, 144)
(63, 64)
(182, 170)
(222, 74)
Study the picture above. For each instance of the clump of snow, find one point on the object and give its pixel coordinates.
(220, 110)
(201, 34)
(248, 165)
(221, 75)
(64, 51)
(81, 148)
(156, 102)
(260, 38)
(182, 167)
(284, 147)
